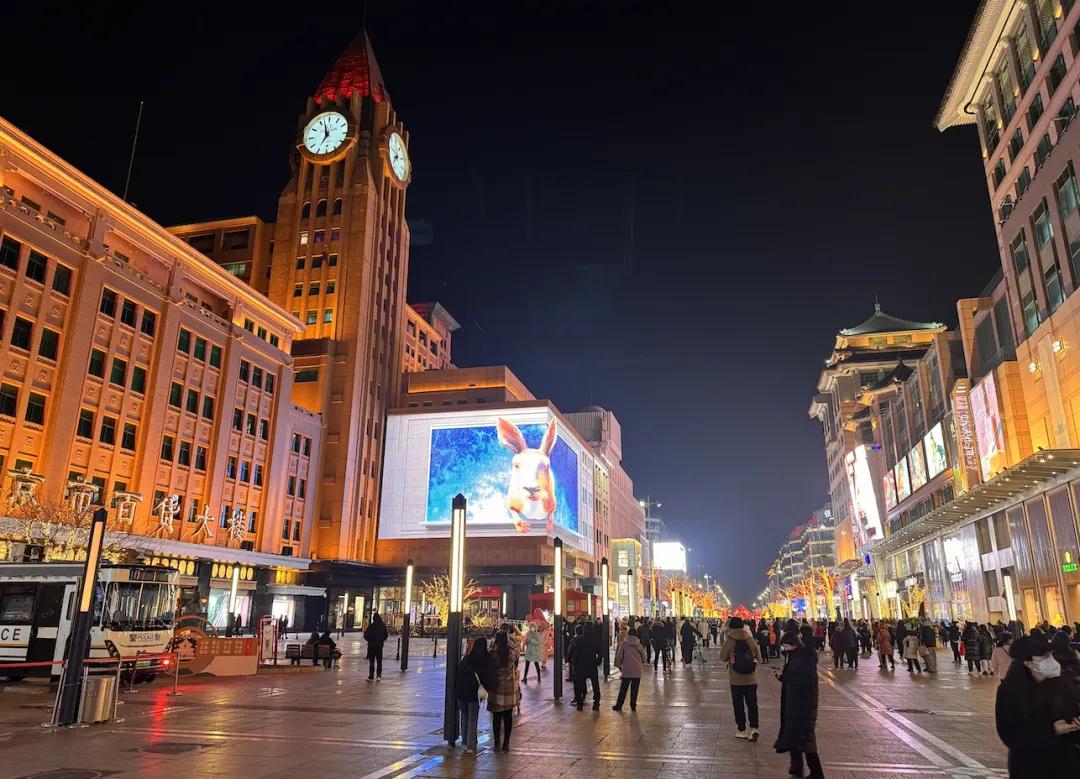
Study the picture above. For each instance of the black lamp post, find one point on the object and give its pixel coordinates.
(557, 680)
(406, 620)
(607, 617)
(453, 619)
(79, 644)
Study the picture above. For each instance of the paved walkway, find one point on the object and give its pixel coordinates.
(336, 723)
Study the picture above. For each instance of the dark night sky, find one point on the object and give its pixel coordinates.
(782, 169)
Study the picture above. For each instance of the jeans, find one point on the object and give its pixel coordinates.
(498, 720)
(812, 760)
(469, 711)
(633, 684)
(745, 694)
(648, 652)
(883, 658)
(956, 652)
(529, 663)
(375, 662)
(659, 654)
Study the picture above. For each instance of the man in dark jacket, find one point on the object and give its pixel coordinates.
(954, 643)
(644, 632)
(798, 706)
(583, 659)
(375, 635)
(658, 633)
(928, 637)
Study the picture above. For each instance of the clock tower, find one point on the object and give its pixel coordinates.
(339, 263)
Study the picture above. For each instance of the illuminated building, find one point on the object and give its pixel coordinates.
(337, 258)
(136, 366)
(427, 345)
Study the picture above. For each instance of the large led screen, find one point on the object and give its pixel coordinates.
(867, 519)
(888, 482)
(525, 474)
(989, 432)
(934, 443)
(669, 556)
(918, 468)
(903, 486)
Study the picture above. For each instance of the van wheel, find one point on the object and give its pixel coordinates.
(148, 677)
(16, 677)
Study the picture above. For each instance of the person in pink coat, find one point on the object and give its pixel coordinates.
(629, 658)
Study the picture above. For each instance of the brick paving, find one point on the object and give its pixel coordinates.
(336, 723)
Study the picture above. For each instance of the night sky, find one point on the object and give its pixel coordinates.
(633, 205)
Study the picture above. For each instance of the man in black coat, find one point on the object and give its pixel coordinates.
(798, 706)
(375, 635)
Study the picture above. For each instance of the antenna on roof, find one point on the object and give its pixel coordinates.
(134, 142)
(877, 303)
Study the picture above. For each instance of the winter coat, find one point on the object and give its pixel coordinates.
(644, 633)
(505, 695)
(583, 657)
(1000, 662)
(884, 641)
(728, 650)
(687, 631)
(471, 675)
(375, 635)
(928, 636)
(659, 636)
(798, 702)
(1025, 712)
(986, 647)
(971, 643)
(630, 657)
(843, 639)
(911, 646)
(954, 633)
(534, 643)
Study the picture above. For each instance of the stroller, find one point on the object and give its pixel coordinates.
(699, 654)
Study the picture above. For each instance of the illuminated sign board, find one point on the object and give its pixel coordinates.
(867, 516)
(669, 556)
(888, 484)
(989, 430)
(934, 445)
(965, 434)
(1070, 568)
(918, 467)
(903, 486)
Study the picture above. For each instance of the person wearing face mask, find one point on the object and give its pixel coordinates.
(1037, 713)
(799, 704)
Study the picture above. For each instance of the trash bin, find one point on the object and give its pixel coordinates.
(99, 691)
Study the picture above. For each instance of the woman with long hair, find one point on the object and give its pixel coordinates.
(504, 697)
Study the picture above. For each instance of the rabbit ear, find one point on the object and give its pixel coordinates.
(510, 436)
(549, 439)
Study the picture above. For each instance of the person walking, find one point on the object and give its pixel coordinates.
(986, 649)
(1001, 661)
(851, 641)
(1036, 714)
(503, 699)
(885, 648)
(911, 647)
(838, 643)
(628, 658)
(659, 642)
(687, 631)
(954, 643)
(644, 633)
(763, 641)
(928, 650)
(533, 648)
(476, 671)
(375, 635)
(672, 634)
(798, 705)
(971, 647)
(742, 654)
(713, 630)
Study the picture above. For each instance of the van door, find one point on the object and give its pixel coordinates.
(43, 633)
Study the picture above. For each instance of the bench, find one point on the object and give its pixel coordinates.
(294, 653)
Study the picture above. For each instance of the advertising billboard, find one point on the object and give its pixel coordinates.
(867, 517)
(989, 433)
(903, 486)
(888, 483)
(522, 471)
(934, 444)
(918, 467)
(669, 556)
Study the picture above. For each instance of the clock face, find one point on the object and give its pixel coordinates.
(399, 156)
(326, 132)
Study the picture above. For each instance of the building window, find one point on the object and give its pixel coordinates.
(249, 325)
(291, 488)
(108, 302)
(1016, 143)
(138, 379)
(320, 208)
(1023, 181)
(9, 253)
(36, 266)
(192, 405)
(301, 488)
(275, 341)
(256, 376)
(264, 429)
(335, 234)
(1042, 151)
(312, 316)
(320, 236)
(50, 341)
(108, 431)
(245, 370)
(1044, 231)
(35, 409)
(251, 422)
(22, 333)
(296, 442)
(183, 341)
(183, 454)
(238, 419)
(303, 237)
(305, 375)
(245, 471)
(257, 477)
(999, 173)
(62, 279)
(331, 287)
(200, 458)
(127, 440)
(167, 448)
(148, 323)
(97, 363)
(332, 260)
(200, 349)
(314, 289)
(285, 530)
(118, 374)
(298, 290)
(215, 355)
(328, 316)
(337, 207)
(269, 384)
(127, 313)
(9, 399)
(1034, 112)
(207, 407)
(1056, 74)
(85, 427)
(175, 392)
(253, 521)
(202, 243)
(230, 468)
(307, 447)
(234, 239)
(305, 210)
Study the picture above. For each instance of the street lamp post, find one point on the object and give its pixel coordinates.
(79, 645)
(557, 680)
(607, 617)
(406, 620)
(453, 619)
(630, 592)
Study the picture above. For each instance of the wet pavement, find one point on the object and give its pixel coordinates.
(336, 723)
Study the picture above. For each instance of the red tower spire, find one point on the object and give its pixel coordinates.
(355, 72)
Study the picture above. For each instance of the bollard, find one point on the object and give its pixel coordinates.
(434, 646)
(397, 652)
(134, 665)
(176, 676)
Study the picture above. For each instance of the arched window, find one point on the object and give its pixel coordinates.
(305, 212)
(337, 207)
(320, 210)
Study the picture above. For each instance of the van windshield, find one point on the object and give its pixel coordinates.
(139, 605)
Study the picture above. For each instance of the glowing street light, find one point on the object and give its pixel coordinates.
(607, 617)
(79, 643)
(558, 597)
(453, 619)
(406, 620)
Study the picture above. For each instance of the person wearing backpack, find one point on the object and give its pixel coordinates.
(740, 651)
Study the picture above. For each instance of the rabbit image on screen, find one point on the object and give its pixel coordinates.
(531, 494)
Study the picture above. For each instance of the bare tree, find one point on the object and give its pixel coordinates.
(436, 591)
(62, 529)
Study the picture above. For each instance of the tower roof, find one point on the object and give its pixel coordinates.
(880, 322)
(355, 72)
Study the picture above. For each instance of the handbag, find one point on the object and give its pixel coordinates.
(481, 691)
